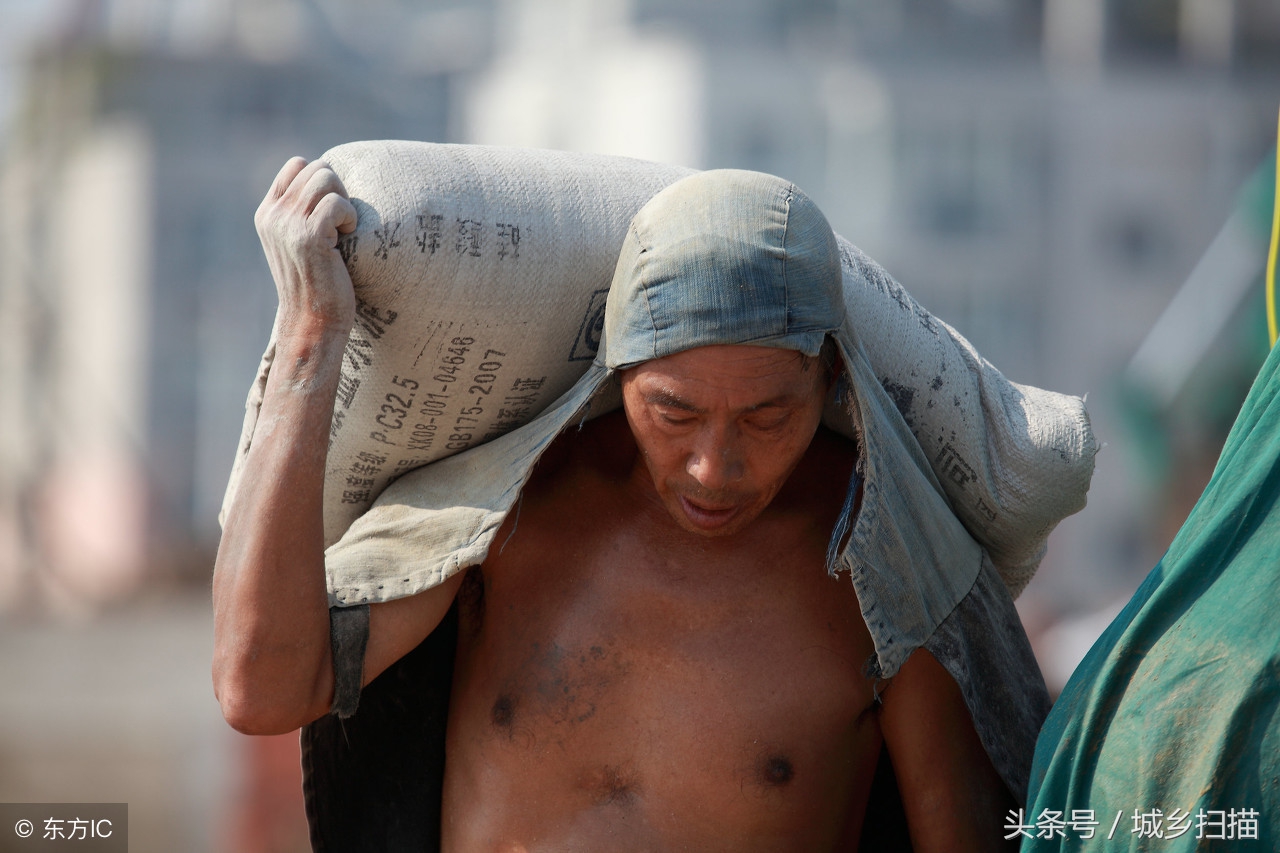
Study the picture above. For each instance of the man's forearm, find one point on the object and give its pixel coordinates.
(271, 661)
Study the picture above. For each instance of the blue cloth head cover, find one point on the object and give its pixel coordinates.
(723, 257)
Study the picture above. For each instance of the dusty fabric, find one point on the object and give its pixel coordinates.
(983, 646)
(1013, 460)
(1169, 724)
(436, 520)
(481, 275)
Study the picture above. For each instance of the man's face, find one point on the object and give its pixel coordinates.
(721, 428)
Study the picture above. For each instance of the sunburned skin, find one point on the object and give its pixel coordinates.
(623, 683)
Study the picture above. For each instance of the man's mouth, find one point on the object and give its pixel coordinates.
(708, 517)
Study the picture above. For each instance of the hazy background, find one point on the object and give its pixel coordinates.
(1082, 187)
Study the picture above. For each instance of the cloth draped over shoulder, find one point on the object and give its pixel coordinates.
(1170, 721)
(723, 257)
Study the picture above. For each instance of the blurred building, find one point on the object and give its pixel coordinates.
(134, 298)
(1043, 174)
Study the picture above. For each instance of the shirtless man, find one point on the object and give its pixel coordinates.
(655, 658)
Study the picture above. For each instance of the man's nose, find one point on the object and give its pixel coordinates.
(716, 461)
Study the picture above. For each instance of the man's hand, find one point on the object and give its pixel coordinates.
(299, 223)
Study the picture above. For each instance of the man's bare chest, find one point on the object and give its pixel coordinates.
(563, 645)
(617, 677)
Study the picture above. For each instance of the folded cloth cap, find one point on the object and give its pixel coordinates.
(723, 257)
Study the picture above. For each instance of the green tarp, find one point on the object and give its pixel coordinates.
(1167, 737)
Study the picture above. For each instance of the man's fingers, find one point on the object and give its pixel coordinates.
(311, 191)
(335, 211)
(285, 177)
(321, 183)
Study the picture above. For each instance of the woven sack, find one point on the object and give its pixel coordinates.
(481, 274)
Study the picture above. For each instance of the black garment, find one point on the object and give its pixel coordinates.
(373, 781)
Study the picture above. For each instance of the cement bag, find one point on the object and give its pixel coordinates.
(481, 275)
(1014, 460)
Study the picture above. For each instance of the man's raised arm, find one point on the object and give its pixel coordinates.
(272, 667)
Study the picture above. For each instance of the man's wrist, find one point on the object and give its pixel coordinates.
(314, 326)
(309, 349)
